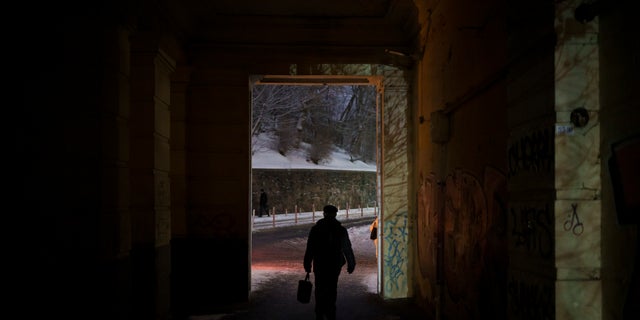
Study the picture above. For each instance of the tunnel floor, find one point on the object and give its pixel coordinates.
(277, 267)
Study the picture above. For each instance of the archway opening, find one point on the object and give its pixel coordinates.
(315, 141)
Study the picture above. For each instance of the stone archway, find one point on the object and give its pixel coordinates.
(393, 159)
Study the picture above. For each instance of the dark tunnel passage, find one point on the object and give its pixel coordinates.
(505, 133)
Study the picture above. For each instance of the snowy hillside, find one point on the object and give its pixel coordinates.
(266, 157)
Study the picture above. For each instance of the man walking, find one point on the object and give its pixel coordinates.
(328, 249)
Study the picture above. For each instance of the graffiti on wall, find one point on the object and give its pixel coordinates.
(475, 244)
(573, 223)
(465, 227)
(473, 240)
(533, 153)
(531, 300)
(532, 228)
(427, 232)
(395, 259)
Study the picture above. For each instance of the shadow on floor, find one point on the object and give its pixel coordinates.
(276, 300)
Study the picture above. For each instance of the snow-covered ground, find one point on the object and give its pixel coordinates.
(266, 157)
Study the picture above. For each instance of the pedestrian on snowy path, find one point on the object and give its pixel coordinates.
(264, 209)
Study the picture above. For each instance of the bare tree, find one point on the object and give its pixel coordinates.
(321, 116)
(358, 121)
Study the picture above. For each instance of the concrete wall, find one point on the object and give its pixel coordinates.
(307, 190)
(460, 118)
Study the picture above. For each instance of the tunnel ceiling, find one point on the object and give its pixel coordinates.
(360, 27)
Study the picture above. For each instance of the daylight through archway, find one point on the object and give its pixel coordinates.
(393, 168)
(314, 142)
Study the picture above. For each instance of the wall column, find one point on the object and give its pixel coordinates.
(396, 221)
(577, 209)
(150, 165)
(115, 218)
(213, 258)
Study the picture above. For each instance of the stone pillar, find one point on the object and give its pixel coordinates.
(115, 219)
(577, 208)
(394, 168)
(150, 165)
(216, 222)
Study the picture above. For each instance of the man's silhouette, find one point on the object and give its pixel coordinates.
(328, 249)
(263, 204)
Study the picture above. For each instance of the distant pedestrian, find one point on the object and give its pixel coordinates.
(264, 207)
(328, 249)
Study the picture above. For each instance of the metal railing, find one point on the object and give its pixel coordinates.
(286, 218)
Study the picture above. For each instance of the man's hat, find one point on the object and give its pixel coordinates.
(330, 209)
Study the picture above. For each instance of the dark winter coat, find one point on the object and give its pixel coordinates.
(328, 247)
(263, 199)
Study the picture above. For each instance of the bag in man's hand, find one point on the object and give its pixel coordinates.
(374, 233)
(304, 290)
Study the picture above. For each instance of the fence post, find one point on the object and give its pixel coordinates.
(273, 217)
(313, 212)
(347, 211)
(253, 218)
(361, 211)
(296, 214)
